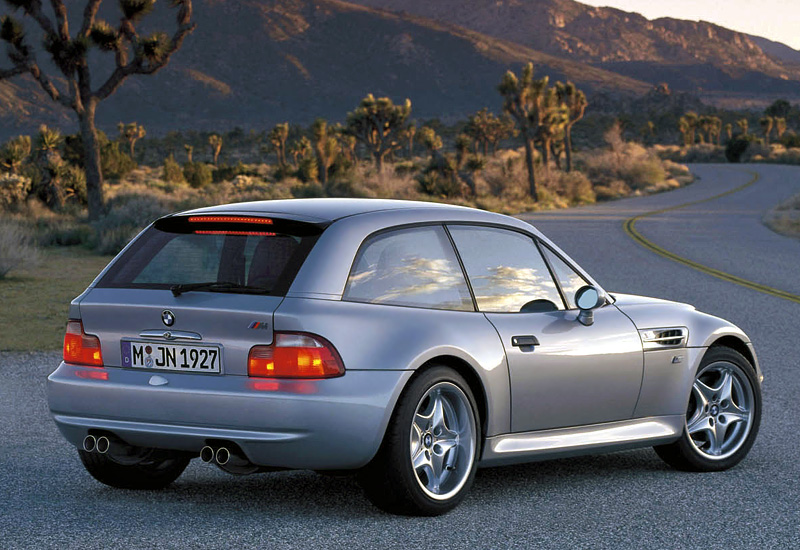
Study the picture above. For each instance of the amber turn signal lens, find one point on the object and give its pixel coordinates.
(295, 355)
(80, 348)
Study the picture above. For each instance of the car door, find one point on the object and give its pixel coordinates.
(562, 373)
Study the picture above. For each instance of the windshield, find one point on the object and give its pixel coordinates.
(215, 254)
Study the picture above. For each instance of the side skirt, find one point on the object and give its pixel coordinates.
(594, 438)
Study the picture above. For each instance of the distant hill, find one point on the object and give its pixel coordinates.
(253, 63)
(690, 56)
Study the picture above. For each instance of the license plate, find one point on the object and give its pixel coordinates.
(176, 357)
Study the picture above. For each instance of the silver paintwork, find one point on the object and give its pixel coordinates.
(589, 387)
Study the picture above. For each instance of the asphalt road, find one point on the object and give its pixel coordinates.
(622, 500)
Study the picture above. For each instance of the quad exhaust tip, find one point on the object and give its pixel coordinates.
(89, 443)
(96, 444)
(207, 454)
(223, 456)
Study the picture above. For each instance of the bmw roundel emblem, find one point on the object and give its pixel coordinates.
(168, 317)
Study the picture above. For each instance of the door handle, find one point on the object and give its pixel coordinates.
(521, 341)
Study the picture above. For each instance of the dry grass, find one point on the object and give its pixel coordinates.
(37, 300)
(17, 247)
(785, 218)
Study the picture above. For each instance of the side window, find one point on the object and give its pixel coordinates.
(409, 267)
(569, 280)
(506, 270)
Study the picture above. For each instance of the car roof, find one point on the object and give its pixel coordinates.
(324, 210)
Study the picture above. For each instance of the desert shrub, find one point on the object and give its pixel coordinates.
(611, 190)
(17, 247)
(14, 188)
(574, 187)
(440, 177)
(741, 146)
(225, 172)
(307, 169)
(404, 167)
(308, 190)
(172, 173)
(475, 163)
(127, 215)
(198, 174)
(790, 140)
(643, 173)
(115, 163)
(73, 180)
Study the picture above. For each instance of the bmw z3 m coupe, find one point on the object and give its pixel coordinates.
(406, 342)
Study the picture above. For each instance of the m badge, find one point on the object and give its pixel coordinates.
(259, 325)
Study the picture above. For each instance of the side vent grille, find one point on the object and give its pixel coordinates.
(664, 338)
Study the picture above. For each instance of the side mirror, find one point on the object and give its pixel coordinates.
(587, 299)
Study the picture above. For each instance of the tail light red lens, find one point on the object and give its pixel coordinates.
(80, 348)
(295, 355)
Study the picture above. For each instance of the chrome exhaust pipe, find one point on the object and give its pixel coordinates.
(223, 456)
(89, 443)
(102, 445)
(207, 454)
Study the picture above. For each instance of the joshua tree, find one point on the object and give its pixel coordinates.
(575, 102)
(780, 126)
(189, 152)
(729, 131)
(72, 89)
(716, 129)
(277, 137)
(49, 162)
(766, 123)
(648, 131)
(430, 139)
(743, 126)
(683, 128)
(326, 147)
(131, 133)
(299, 149)
(408, 135)
(479, 127)
(378, 124)
(523, 99)
(14, 152)
(215, 142)
(553, 124)
(463, 141)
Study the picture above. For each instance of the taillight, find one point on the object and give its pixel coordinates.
(80, 348)
(295, 355)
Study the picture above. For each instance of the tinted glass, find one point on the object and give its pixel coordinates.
(170, 254)
(409, 267)
(569, 280)
(506, 270)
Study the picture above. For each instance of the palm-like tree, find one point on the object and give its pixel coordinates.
(523, 100)
(131, 133)
(277, 138)
(766, 123)
(575, 102)
(215, 142)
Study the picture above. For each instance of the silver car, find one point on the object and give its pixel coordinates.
(406, 342)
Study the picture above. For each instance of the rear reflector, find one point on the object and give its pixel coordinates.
(295, 355)
(229, 219)
(80, 348)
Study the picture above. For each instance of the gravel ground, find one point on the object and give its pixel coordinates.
(621, 500)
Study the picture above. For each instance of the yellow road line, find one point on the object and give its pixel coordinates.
(630, 228)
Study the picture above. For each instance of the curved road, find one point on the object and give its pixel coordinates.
(621, 500)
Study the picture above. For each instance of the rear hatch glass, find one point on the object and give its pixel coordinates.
(211, 281)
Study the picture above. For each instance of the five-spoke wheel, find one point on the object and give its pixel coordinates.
(429, 454)
(722, 417)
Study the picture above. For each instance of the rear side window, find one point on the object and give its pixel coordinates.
(409, 267)
(215, 249)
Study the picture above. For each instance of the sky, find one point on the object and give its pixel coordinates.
(777, 20)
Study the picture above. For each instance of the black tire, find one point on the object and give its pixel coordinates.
(391, 482)
(150, 474)
(684, 454)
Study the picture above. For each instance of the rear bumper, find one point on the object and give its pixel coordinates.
(318, 424)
